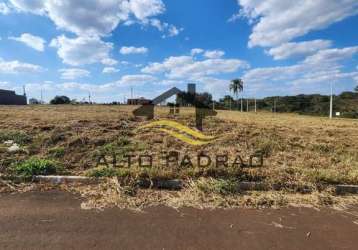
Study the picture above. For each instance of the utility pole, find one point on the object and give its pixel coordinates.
(247, 105)
(241, 105)
(42, 100)
(331, 103)
(131, 92)
(89, 97)
(255, 106)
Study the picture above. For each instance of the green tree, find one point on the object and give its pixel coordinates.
(237, 86)
(34, 101)
(356, 89)
(60, 100)
(225, 102)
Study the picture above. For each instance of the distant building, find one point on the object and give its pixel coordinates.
(192, 88)
(138, 101)
(8, 97)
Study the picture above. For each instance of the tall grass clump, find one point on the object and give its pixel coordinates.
(36, 166)
(15, 136)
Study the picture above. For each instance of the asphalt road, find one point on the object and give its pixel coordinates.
(54, 220)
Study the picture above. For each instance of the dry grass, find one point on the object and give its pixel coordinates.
(113, 194)
(299, 150)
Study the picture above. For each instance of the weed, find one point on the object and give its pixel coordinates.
(36, 166)
(322, 148)
(123, 141)
(267, 145)
(331, 176)
(102, 172)
(218, 186)
(17, 136)
(57, 152)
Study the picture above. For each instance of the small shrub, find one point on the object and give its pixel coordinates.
(35, 166)
(16, 136)
(322, 148)
(123, 141)
(57, 152)
(55, 137)
(267, 145)
(218, 186)
(102, 172)
(331, 176)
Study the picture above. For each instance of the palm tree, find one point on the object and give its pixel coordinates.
(236, 86)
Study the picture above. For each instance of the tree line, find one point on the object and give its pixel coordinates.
(345, 103)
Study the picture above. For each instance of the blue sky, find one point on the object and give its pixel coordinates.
(105, 47)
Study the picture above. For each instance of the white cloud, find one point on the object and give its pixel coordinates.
(90, 17)
(74, 73)
(33, 6)
(143, 9)
(136, 79)
(109, 61)
(4, 85)
(174, 31)
(4, 9)
(167, 28)
(133, 50)
(86, 87)
(214, 54)
(83, 50)
(110, 70)
(74, 90)
(299, 49)
(32, 41)
(196, 51)
(16, 67)
(330, 56)
(94, 17)
(235, 17)
(187, 66)
(106, 92)
(280, 21)
(321, 68)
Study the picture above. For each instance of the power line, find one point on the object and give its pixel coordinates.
(331, 103)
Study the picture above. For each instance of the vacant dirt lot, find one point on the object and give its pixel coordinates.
(300, 153)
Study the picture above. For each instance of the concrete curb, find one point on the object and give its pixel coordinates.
(164, 184)
(346, 189)
(55, 179)
(161, 184)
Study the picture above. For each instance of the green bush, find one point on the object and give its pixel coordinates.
(57, 152)
(35, 166)
(218, 186)
(16, 136)
(102, 172)
(60, 100)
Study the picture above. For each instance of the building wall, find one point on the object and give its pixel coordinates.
(10, 98)
(138, 101)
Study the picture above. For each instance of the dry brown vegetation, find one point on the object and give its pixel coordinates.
(300, 152)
